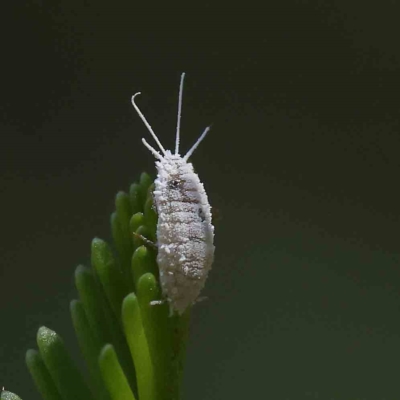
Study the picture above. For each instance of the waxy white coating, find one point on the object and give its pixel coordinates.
(185, 234)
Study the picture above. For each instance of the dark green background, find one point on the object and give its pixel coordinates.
(302, 164)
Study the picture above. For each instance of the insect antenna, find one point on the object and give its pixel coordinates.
(194, 147)
(155, 153)
(178, 123)
(148, 127)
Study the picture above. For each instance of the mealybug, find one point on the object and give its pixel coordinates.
(185, 234)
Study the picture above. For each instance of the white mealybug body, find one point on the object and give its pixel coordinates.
(185, 234)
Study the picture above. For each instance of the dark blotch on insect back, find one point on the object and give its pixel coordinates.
(201, 214)
(174, 184)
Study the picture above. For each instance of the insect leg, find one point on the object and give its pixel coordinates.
(145, 240)
(201, 299)
(157, 302)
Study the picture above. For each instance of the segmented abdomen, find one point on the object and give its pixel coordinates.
(184, 236)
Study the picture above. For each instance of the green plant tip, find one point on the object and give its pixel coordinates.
(134, 197)
(110, 276)
(113, 375)
(145, 182)
(138, 346)
(136, 221)
(65, 375)
(6, 395)
(41, 376)
(143, 261)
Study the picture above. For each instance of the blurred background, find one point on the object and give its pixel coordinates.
(302, 164)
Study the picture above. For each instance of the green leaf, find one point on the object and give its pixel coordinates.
(145, 181)
(166, 336)
(157, 328)
(136, 220)
(143, 261)
(110, 276)
(137, 341)
(65, 375)
(150, 217)
(135, 198)
(90, 346)
(180, 333)
(123, 209)
(102, 320)
(123, 216)
(93, 302)
(41, 376)
(113, 375)
(123, 244)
